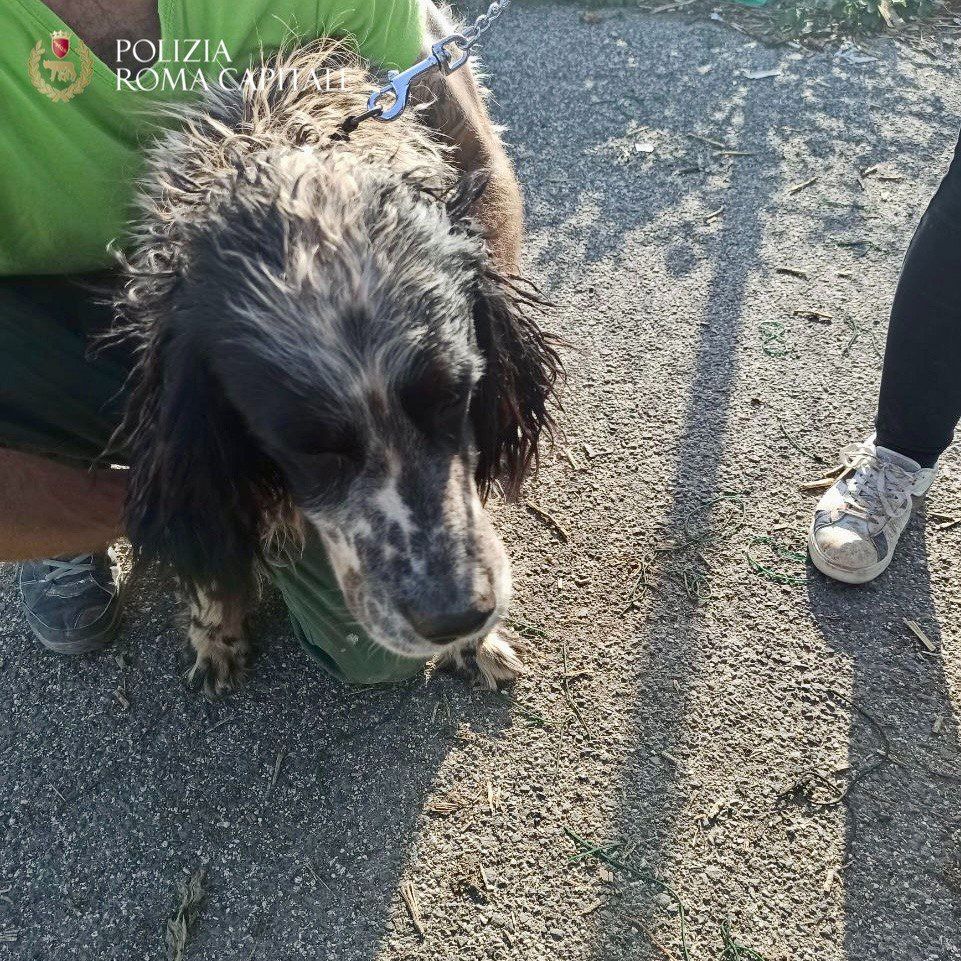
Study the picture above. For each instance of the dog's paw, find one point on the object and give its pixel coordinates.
(490, 662)
(217, 635)
(497, 661)
(220, 667)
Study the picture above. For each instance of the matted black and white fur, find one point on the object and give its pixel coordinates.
(322, 341)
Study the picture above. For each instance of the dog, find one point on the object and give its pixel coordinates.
(322, 341)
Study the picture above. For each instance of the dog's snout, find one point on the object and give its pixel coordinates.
(440, 627)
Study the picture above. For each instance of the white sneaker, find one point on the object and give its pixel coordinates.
(859, 520)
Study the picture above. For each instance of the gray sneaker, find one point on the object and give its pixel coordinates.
(859, 520)
(72, 604)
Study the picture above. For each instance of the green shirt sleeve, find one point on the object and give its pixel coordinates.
(388, 33)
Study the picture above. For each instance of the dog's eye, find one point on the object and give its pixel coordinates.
(431, 401)
(321, 446)
(333, 463)
(451, 402)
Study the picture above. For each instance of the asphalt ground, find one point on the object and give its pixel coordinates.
(772, 751)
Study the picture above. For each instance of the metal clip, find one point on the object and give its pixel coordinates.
(398, 84)
(445, 59)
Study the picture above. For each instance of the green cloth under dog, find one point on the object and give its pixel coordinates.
(70, 150)
(59, 399)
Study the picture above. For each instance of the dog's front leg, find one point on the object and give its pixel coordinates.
(486, 663)
(217, 635)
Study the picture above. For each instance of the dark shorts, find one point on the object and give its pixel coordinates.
(62, 397)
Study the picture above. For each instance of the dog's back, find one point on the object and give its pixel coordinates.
(295, 101)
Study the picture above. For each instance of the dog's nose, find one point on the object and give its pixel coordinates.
(439, 627)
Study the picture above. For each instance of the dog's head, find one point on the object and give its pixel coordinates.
(335, 345)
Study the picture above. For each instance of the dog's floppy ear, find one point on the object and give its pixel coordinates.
(199, 487)
(510, 408)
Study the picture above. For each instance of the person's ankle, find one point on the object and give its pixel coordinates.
(924, 459)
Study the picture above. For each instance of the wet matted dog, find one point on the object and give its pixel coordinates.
(322, 340)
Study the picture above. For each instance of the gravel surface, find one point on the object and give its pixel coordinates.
(711, 740)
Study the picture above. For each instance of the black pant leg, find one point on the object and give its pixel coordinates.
(920, 402)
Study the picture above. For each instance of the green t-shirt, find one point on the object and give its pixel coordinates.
(70, 141)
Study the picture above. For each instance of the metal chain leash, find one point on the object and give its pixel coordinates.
(446, 55)
(482, 24)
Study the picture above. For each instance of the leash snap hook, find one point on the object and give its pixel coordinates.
(452, 52)
(446, 55)
(398, 88)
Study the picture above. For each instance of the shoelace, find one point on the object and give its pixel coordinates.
(878, 486)
(61, 568)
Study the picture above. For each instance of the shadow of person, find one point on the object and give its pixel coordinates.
(304, 798)
(903, 800)
(339, 831)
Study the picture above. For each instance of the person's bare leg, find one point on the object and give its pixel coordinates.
(48, 509)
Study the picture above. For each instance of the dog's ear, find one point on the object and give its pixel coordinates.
(199, 487)
(511, 406)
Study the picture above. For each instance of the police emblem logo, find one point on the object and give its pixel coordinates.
(68, 70)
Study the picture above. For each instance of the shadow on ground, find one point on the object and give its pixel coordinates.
(901, 822)
(302, 798)
(903, 814)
